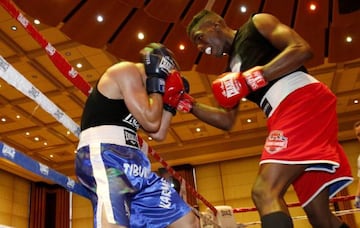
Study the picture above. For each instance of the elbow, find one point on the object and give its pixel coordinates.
(227, 127)
(308, 52)
(158, 137)
(151, 126)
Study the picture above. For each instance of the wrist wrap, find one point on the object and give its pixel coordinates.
(155, 85)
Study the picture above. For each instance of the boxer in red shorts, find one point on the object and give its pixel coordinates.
(266, 59)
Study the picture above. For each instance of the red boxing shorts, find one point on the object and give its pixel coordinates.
(303, 130)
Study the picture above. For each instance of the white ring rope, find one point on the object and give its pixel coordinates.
(18, 81)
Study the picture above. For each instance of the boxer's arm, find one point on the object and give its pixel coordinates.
(294, 49)
(160, 135)
(217, 117)
(116, 84)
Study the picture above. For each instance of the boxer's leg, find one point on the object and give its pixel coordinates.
(319, 214)
(268, 191)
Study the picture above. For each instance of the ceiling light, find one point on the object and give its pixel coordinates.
(79, 65)
(100, 18)
(68, 132)
(348, 39)
(312, 7)
(14, 28)
(249, 120)
(51, 155)
(141, 36)
(243, 9)
(36, 139)
(27, 133)
(150, 138)
(356, 101)
(198, 129)
(45, 144)
(243, 99)
(17, 116)
(3, 119)
(36, 21)
(181, 47)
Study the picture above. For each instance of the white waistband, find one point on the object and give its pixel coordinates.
(109, 134)
(282, 88)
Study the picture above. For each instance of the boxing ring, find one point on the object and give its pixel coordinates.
(214, 216)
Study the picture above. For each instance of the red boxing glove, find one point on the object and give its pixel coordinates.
(186, 103)
(174, 88)
(229, 88)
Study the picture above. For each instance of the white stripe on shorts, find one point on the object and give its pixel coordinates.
(102, 190)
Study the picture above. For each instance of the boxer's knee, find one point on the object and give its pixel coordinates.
(261, 193)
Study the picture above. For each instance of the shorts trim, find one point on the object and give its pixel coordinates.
(348, 180)
(109, 134)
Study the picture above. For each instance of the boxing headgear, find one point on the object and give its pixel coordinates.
(158, 60)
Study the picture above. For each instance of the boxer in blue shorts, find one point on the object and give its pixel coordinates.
(109, 160)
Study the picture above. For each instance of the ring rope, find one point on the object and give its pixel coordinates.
(71, 74)
(304, 217)
(332, 200)
(40, 169)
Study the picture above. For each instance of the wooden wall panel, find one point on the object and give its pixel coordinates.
(14, 200)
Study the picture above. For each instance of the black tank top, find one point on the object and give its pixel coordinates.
(250, 49)
(100, 110)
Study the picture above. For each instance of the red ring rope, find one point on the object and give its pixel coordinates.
(332, 200)
(72, 75)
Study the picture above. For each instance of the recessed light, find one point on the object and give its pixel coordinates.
(141, 36)
(36, 21)
(100, 18)
(348, 39)
(243, 9)
(14, 28)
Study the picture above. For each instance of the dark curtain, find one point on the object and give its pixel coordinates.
(49, 206)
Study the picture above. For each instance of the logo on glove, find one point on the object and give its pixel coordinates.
(166, 64)
(230, 88)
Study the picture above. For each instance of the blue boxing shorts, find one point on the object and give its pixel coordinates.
(118, 176)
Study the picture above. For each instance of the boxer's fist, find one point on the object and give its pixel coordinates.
(158, 60)
(186, 103)
(229, 88)
(174, 88)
